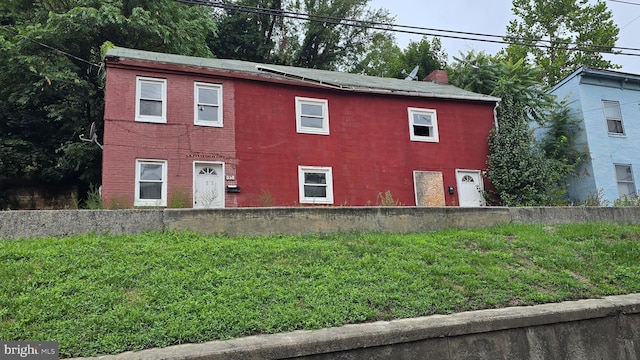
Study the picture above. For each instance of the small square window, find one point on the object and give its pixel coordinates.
(626, 184)
(151, 103)
(312, 116)
(208, 104)
(316, 185)
(423, 125)
(151, 183)
(613, 115)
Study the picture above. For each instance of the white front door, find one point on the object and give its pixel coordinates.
(470, 188)
(208, 185)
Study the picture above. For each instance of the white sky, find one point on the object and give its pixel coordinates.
(492, 17)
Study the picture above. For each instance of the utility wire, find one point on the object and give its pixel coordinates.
(625, 2)
(417, 30)
(53, 48)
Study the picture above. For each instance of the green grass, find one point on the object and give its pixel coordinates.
(109, 294)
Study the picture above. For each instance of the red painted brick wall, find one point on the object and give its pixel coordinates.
(179, 141)
(368, 147)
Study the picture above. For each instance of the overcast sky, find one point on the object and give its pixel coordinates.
(491, 17)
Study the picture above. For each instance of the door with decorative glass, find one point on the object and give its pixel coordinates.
(208, 185)
(470, 188)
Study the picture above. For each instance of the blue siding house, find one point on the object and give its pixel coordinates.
(607, 105)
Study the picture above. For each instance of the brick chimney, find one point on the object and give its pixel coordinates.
(438, 77)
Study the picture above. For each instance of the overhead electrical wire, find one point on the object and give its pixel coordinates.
(624, 2)
(53, 48)
(417, 30)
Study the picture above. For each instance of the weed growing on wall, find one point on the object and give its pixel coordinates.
(266, 199)
(94, 199)
(387, 199)
(179, 199)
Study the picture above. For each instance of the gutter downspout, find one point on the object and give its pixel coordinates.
(495, 114)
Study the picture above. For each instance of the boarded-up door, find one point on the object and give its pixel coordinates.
(429, 187)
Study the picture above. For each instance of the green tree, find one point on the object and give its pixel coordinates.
(522, 172)
(385, 59)
(499, 76)
(274, 35)
(53, 77)
(559, 36)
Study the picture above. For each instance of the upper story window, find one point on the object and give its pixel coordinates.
(315, 184)
(624, 177)
(312, 116)
(423, 125)
(613, 115)
(208, 104)
(151, 183)
(151, 100)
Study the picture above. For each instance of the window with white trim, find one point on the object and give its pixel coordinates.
(312, 116)
(316, 185)
(151, 100)
(151, 183)
(613, 115)
(208, 104)
(423, 125)
(626, 184)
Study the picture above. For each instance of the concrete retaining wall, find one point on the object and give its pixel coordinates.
(254, 221)
(602, 329)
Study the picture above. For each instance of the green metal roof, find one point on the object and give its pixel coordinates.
(333, 79)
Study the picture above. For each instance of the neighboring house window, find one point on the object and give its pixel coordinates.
(614, 116)
(316, 185)
(151, 100)
(423, 125)
(626, 185)
(312, 116)
(151, 183)
(208, 104)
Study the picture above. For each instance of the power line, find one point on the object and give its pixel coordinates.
(624, 2)
(53, 48)
(408, 29)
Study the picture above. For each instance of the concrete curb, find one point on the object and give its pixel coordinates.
(324, 342)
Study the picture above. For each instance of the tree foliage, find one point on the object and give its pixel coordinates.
(499, 76)
(522, 172)
(560, 35)
(384, 58)
(53, 77)
(327, 42)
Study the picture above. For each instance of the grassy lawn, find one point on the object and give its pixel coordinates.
(109, 294)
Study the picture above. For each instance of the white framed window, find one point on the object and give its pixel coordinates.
(151, 100)
(423, 125)
(207, 104)
(613, 115)
(312, 116)
(151, 182)
(626, 184)
(315, 184)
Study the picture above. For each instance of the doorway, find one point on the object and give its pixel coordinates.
(208, 185)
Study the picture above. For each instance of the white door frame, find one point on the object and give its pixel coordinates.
(223, 177)
(480, 184)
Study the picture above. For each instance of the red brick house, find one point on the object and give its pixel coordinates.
(226, 133)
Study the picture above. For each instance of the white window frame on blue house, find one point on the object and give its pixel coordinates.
(627, 181)
(613, 119)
